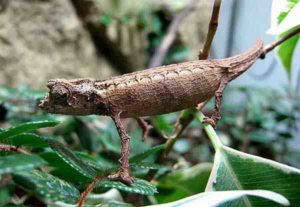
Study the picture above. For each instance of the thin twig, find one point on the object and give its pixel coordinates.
(162, 50)
(274, 44)
(5, 147)
(213, 25)
(89, 189)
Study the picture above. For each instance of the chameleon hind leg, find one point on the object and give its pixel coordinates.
(216, 116)
(123, 172)
(145, 127)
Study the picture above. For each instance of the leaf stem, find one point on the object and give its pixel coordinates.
(274, 44)
(213, 25)
(211, 133)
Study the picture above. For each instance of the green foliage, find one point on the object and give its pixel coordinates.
(115, 204)
(46, 186)
(183, 183)
(139, 186)
(213, 199)
(28, 140)
(4, 196)
(146, 154)
(19, 162)
(71, 159)
(285, 20)
(286, 51)
(234, 170)
(87, 136)
(26, 127)
(265, 119)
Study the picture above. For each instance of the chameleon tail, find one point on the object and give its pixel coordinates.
(240, 63)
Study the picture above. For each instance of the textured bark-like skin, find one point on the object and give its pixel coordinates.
(149, 92)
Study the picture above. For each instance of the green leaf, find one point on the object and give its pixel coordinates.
(234, 170)
(139, 186)
(102, 204)
(46, 186)
(71, 159)
(61, 167)
(87, 136)
(142, 156)
(164, 122)
(4, 196)
(19, 162)
(28, 139)
(110, 138)
(285, 16)
(115, 204)
(183, 183)
(145, 165)
(214, 199)
(286, 52)
(26, 127)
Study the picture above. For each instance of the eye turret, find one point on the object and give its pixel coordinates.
(59, 94)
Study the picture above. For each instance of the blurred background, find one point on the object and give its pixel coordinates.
(42, 40)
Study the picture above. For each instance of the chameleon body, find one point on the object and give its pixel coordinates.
(149, 92)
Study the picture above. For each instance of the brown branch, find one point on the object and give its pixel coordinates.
(274, 44)
(213, 25)
(5, 147)
(161, 51)
(89, 189)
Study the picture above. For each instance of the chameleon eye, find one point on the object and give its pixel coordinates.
(59, 94)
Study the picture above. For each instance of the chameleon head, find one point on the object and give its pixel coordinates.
(73, 97)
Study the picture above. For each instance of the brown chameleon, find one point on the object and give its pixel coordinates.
(148, 92)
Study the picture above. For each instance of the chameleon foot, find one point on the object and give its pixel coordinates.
(123, 177)
(212, 121)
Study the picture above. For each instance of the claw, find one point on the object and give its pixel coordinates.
(210, 121)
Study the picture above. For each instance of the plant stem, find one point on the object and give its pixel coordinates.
(213, 25)
(211, 133)
(274, 44)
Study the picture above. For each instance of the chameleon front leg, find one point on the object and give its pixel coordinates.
(216, 116)
(123, 173)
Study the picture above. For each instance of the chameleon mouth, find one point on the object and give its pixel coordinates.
(44, 104)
